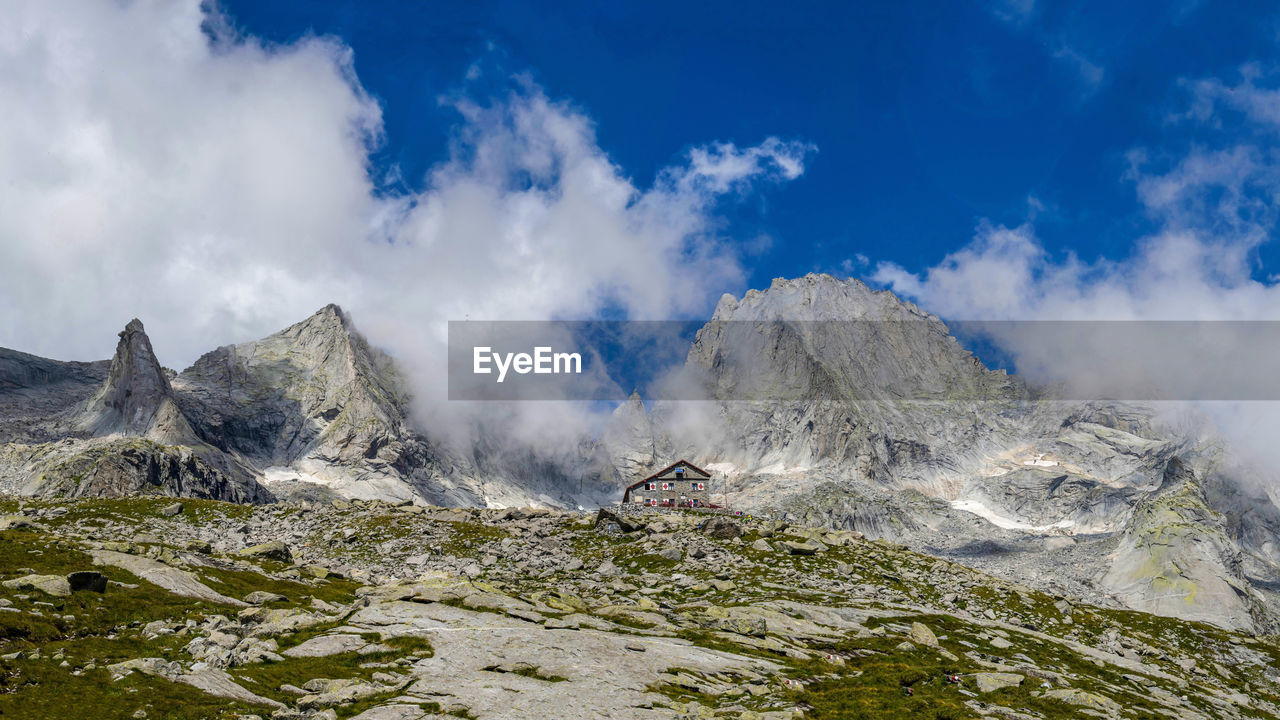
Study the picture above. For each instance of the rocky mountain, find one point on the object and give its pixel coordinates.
(110, 428)
(849, 408)
(136, 398)
(313, 403)
(311, 410)
(840, 406)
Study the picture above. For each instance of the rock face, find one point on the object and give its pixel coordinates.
(821, 375)
(37, 394)
(311, 410)
(314, 402)
(136, 398)
(851, 409)
(816, 371)
(314, 390)
(1176, 558)
(629, 439)
(125, 436)
(118, 467)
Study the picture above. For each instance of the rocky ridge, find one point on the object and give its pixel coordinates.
(315, 402)
(852, 409)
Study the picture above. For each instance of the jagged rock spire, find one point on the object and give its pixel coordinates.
(136, 398)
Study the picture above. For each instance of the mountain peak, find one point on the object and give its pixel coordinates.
(330, 320)
(134, 326)
(324, 392)
(817, 297)
(135, 388)
(332, 309)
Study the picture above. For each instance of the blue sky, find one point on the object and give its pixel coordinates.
(927, 117)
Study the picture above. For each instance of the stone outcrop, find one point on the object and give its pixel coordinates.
(136, 398)
(1176, 558)
(527, 613)
(318, 402)
(127, 436)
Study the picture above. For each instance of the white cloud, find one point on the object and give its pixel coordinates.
(204, 186)
(157, 165)
(1259, 103)
(1214, 207)
(531, 220)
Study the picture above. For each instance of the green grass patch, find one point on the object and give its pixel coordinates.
(92, 614)
(266, 678)
(40, 689)
(238, 583)
(880, 684)
(467, 537)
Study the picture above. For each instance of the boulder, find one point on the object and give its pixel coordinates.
(274, 550)
(722, 528)
(158, 667)
(605, 518)
(753, 627)
(337, 692)
(88, 580)
(262, 597)
(198, 546)
(920, 634)
(320, 572)
(49, 584)
(796, 548)
(17, 522)
(672, 553)
(1083, 698)
(992, 681)
(171, 510)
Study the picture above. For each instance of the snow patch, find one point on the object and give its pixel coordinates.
(1008, 523)
(365, 487)
(724, 468)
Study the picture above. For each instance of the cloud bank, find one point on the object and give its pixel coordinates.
(158, 164)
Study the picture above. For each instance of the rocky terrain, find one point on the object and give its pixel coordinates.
(843, 407)
(852, 409)
(151, 608)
